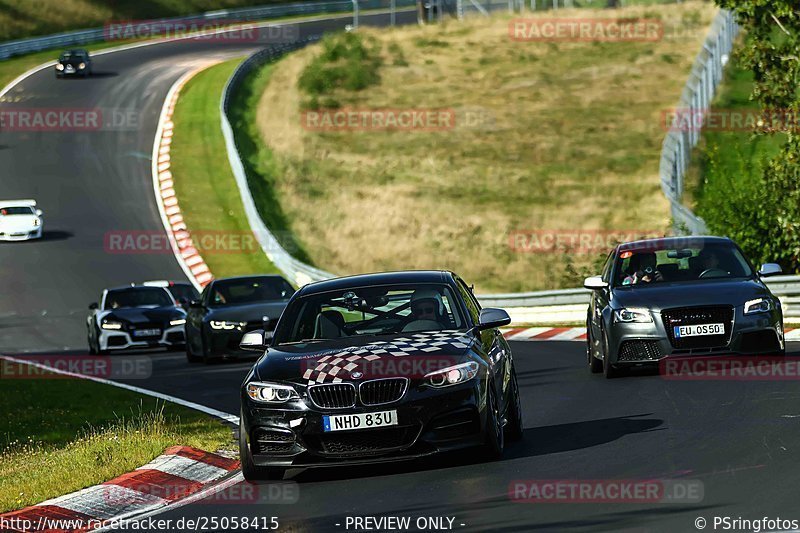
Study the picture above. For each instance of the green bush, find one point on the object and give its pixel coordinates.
(348, 61)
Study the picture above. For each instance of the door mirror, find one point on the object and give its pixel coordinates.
(254, 341)
(492, 318)
(196, 304)
(39, 212)
(769, 269)
(595, 283)
(93, 305)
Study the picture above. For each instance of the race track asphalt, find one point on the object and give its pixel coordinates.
(740, 440)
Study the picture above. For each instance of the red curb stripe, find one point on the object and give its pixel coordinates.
(203, 457)
(551, 333)
(581, 337)
(513, 332)
(155, 483)
(48, 514)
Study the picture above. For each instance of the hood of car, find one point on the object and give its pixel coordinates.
(365, 357)
(18, 223)
(689, 294)
(143, 315)
(247, 312)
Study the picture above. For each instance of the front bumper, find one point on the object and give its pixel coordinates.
(430, 421)
(123, 340)
(33, 233)
(637, 343)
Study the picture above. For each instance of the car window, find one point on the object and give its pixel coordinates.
(706, 261)
(249, 290)
(16, 210)
(376, 310)
(473, 307)
(137, 297)
(606, 275)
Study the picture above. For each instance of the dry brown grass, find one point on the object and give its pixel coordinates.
(571, 141)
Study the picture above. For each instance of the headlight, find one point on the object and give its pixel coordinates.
(82, 66)
(452, 375)
(177, 322)
(110, 324)
(37, 222)
(224, 324)
(271, 392)
(759, 305)
(632, 315)
(59, 66)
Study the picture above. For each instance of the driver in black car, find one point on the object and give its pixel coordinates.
(645, 271)
(427, 311)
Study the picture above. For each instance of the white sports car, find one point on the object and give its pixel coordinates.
(20, 220)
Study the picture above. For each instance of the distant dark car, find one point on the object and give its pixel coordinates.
(74, 63)
(183, 291)
(230, 307)
(135, 317)
(378, 368)
(680, 296)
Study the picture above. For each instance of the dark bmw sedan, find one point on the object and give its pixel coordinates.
(681, 296)
(230, 307)
(377, 368)
(74, 63)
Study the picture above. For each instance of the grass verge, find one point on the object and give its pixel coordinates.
(60, 435)
(549, 137)
(204, 183)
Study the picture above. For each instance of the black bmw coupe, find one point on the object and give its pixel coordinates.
(376, 368)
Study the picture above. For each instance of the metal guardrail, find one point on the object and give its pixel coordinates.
(705, 77)
(86, 36)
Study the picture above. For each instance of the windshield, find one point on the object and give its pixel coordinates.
(705, 261)
(138, 297)
(22, 210)
(72, 56)
(249, 290)
(185, 292)
(361, 311)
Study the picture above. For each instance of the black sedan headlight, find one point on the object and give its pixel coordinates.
(759, 305)
(59, 66)
(452, 375)
(271, 393)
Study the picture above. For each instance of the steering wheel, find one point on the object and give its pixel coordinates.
(712, 273)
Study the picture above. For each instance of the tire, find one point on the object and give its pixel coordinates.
(250, 471)
(495, 435)
(609, 370)
(595, 364)
(514, 430)
(190, 356)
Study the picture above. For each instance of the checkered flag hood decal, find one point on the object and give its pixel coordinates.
(331, 368)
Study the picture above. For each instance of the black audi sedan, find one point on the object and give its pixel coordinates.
(135, 317)
(230, 307)
(377, 368)
(680, 296)
(74, 63)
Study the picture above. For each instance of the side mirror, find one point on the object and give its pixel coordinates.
(254, 341)
(93, 305)
(492, 318)
(39, 212)
(769, 269)
(196, 304)
(595, 283)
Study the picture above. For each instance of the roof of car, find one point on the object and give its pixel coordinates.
(18, 203)
(668, 242)
(379, 278)
(124, 287)
(252, 276)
